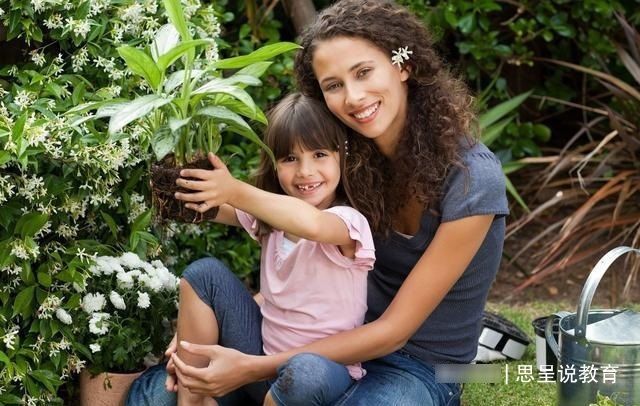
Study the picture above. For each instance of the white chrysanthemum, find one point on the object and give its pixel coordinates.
(125, 280)
(63, 316)
(117, 300)
(131, 260)
(95, 348)
(143, 300)
(98, 324)
(93, 302)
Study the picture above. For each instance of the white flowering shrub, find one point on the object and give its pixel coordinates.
(126, 312)
(72, 194)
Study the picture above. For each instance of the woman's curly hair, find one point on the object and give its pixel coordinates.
(439, 113)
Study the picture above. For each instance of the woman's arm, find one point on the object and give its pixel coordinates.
(449, 254)
(282, 212)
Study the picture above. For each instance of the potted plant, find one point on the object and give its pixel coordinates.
(125, 321)
(188, 108)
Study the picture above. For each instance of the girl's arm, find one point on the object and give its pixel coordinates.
(227, 215)
(286, 213)
(449, 254)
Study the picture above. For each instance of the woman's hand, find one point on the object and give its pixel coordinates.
(227, 370)
(171, 383)
(214, 187)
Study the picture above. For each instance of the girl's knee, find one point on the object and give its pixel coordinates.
(205, 271)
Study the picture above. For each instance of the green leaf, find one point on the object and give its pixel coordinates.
(176, 16)
(9, 399)
(140, 63)
(493, 132)
(236, 124)
(166, 38)
(514, 192)
(220, 86)
(135, 109)
(177, 79)
(18, 127)
(164, 61)
(176, 124)
(24, 302)
(141, 222)
(44, 279)
(5, 156)
(259, 55)
(497, 112)
(30, 223)
(255, 69)
(163, 142)
(50, 380)
(240, 108)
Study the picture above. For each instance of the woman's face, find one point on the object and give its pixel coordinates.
(362, 88)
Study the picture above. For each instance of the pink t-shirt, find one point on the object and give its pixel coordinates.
(314, 291)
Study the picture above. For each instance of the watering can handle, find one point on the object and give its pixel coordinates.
(592, 283)
(548, 332)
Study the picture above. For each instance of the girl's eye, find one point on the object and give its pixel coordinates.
(321, 154)
(289, 158)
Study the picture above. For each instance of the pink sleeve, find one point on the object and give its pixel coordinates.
(249, 223)
(360, 232)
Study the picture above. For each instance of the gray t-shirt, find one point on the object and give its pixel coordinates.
(450, 333)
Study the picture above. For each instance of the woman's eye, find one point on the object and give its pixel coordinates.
(289, 158)
(332, 86)
(362, 73)
(321, 154)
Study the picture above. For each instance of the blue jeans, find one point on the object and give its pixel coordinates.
(400, 379)
(239, 323)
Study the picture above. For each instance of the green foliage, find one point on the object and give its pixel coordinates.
(496, 45)
(70, 193)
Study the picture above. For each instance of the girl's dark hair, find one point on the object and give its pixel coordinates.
(298, 120)
(439, 112)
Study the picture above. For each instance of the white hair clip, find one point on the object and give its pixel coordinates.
(401, 55)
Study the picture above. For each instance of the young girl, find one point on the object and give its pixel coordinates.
(434, 196)
(316, 253)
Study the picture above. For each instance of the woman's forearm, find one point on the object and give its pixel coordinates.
(364, 343)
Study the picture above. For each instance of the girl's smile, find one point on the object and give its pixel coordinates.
(362, 88)
(310, 175)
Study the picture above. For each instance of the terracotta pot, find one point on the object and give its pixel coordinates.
(105, 389)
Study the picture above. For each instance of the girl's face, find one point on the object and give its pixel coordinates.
(310, 175)
(363, 89)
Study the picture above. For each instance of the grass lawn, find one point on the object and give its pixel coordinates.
(519, 393)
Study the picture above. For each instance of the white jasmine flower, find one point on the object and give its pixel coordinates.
(79, 59)
(117, 300)
(98, 323)
(63, 316)
(54, 21)
(9, 338)
(6, 188)
(37, 58)
(143, 300)
(95, 347)
(93, 302)
(23, 99)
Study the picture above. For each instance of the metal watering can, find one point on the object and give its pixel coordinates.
(598, 351)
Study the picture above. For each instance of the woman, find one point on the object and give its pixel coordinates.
(434, 197)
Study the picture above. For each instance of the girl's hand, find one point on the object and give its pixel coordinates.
(214, 187)
(226, 370)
